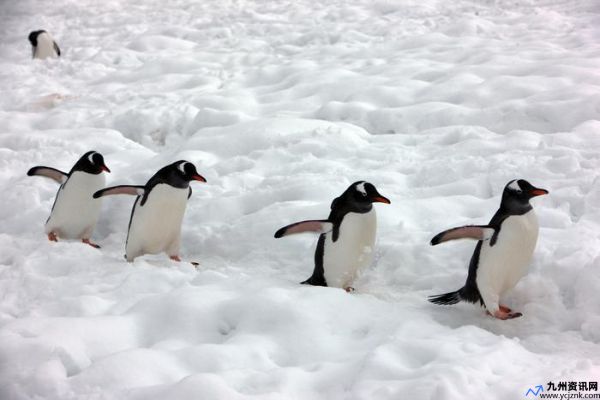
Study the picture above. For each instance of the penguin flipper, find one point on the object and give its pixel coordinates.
(477, 232)
(57, 49)
(314, 225)
(48, 172)
(121, 189)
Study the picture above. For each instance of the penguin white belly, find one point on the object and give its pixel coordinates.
(501, 266)
(75, 211)
(352, 251)
(156, 226)
(45, 47)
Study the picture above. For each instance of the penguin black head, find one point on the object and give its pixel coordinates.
(33, 37)
(179, 174)
(359, 197)
(517, 194)
(91, 162)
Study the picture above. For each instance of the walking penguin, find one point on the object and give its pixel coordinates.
(347, 236)
(42, 45)
(503, 251)
(75, 212)
(155, 222)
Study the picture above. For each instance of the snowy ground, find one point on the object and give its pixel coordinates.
(281, 105)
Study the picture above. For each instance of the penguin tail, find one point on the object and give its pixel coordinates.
(315, 281)
(446, 299)
(468, 293)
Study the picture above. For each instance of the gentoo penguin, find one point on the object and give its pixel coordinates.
(346, 238)
(155, 222)
(503, 251)
(75, 212)
(42, 45)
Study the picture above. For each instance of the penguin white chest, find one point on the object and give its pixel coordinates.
(353, 249)
(502, 265)
(45, 47)
(156, 225)
(75, 211)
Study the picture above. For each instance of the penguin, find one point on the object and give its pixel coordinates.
(504, 249)
(347, 236)
(75, 213)
(157, 213)
(42, 45)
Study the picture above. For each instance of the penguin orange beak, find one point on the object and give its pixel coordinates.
(197, 177)
(538, 192)
(380, 199)
(105, 168)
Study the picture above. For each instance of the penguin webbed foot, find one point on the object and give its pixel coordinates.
(52, 237)
(505, 308)
(175, 258)
(504, 315)
(349, 289)
(87, 241)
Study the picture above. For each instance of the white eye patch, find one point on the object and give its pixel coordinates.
(361, 188)
(182, 167)
(91, 158)
(514, 185)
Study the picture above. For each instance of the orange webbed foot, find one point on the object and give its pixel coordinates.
(503, 315)
(505, 309)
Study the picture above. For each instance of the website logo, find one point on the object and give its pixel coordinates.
(564, 390)
(538, 390)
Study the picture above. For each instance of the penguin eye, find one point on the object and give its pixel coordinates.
(364, 194)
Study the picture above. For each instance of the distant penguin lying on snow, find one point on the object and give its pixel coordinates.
(503, 252)
(75, 213)
(42, 45)
(155, 223)
(347, 237)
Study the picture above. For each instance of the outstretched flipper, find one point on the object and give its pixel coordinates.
(477, 232)
(121, 189)
(52, 173)
(317, 226)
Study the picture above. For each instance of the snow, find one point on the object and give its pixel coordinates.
(281, 105)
